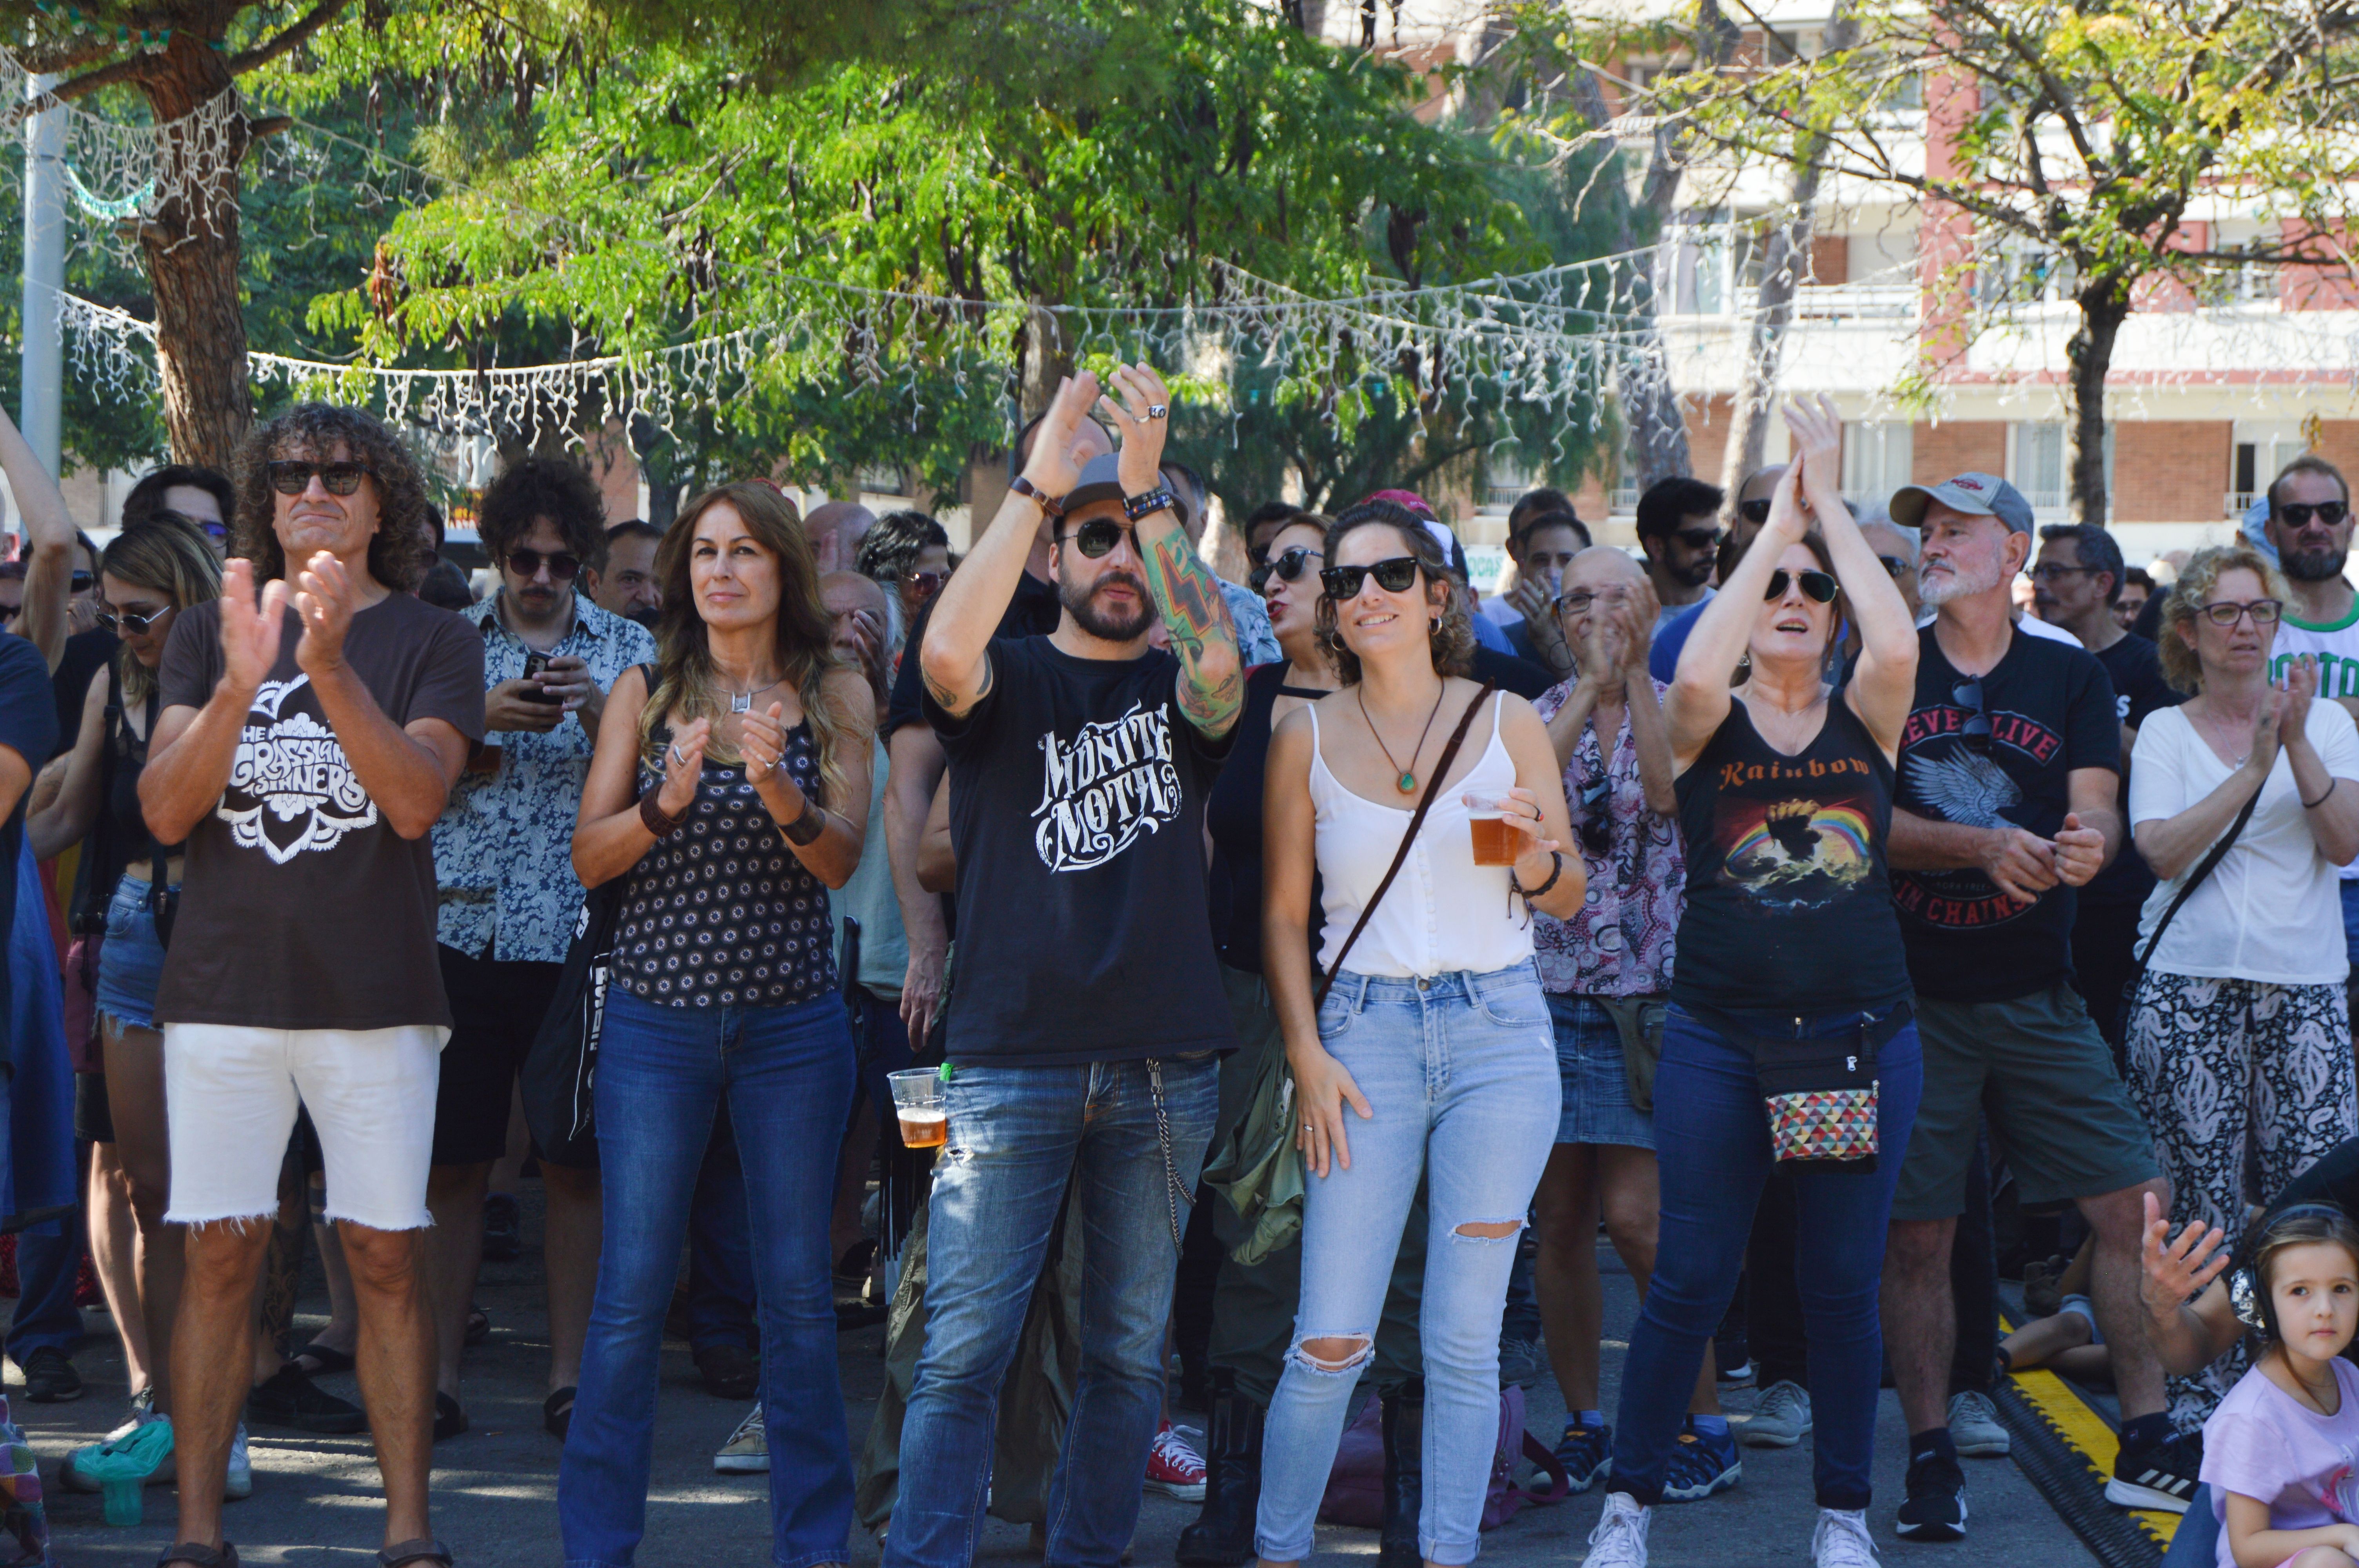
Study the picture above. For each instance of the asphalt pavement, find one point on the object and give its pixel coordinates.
(315, 1498)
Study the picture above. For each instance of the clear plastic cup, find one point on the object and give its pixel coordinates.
(1496, 843)
(918, 1101)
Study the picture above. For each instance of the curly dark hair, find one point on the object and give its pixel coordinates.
(402, 549)
(887, 549)
(554, 488)
(1454, 632)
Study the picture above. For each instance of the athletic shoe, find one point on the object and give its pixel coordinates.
(1522, 1362)
(1173, 1468)
(1732, 1359)
(2160, 1476)
(1936, 1508)
(1587, 1453)
(1781, 1420)
(747, 1452)
(1842, 1539)
(143, 1453)
(1974, 1428)
(1702, 1463)
(50, 1378)
(239, 1483)
(1620, 1539)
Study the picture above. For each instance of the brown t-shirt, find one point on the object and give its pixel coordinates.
(302, 908)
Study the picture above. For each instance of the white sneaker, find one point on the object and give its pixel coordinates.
(1781, 1420)
(1620, 1539)
(1974, 1428)
(1842, 1541)
(240, 1478)
(747, 1452)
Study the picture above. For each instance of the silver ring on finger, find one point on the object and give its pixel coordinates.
(676, 757)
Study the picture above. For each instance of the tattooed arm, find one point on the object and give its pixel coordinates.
(955, 661)
(1212, 673)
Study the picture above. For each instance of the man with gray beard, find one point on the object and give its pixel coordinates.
(2003, 807)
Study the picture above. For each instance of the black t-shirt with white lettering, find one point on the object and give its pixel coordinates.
(2050, 710)
(2135, 667)
(1077, 811)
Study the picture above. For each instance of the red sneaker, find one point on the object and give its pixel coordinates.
(1173, 1468)
(86, 1291)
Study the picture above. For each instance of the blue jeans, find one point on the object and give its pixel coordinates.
(663, 1070)
(1711, 1142)
(1020, 1140)
(2196, 1542)
(1461, 1073)
(720, 1248)
(49, 1259)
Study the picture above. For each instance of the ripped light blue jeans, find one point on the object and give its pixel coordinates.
(1460, 1072)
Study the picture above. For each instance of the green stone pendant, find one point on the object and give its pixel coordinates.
(1408, 782)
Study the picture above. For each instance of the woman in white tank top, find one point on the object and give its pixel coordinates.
(1434, 1034)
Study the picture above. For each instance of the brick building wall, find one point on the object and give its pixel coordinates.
(2170, 471)
(1955, 447)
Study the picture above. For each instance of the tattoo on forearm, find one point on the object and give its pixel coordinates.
(1197, 617)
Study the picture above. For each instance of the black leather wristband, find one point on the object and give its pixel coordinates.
(1159, 499)
(652, 816)
(1556, 869)
(804, 830)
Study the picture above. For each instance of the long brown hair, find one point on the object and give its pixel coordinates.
(684, 677)
(167, 557)
(1452, 637)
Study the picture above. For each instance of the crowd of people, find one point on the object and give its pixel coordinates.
(1308, 972)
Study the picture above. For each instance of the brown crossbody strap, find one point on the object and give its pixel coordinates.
(1432, 791)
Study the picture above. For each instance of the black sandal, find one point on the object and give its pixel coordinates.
(199, 1555)
(422, 1550)
(556, 1421)
(450, 1420)
(329, 1358)
(479, 1325)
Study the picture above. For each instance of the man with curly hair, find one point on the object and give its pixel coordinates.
(310, 737)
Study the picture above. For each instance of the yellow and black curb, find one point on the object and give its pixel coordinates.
(2066, 1448)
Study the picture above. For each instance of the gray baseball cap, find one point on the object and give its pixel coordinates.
(1977, 495)
(1101, 480)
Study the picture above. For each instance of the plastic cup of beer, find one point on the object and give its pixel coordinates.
(918, 1099)
(1496, 843)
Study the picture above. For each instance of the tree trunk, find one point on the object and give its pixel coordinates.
(2104, 305)
(192, 248)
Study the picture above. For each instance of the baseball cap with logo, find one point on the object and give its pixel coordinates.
(1977, 495)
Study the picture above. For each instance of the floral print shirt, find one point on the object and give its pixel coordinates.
(1620, 944)
(503, 845)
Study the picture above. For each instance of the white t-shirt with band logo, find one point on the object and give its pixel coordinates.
(2336, 649)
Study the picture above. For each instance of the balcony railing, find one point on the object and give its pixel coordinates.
(1622, 500)
(2239, 501)
(1839, 301)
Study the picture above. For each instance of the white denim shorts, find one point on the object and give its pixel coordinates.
(231, 1094)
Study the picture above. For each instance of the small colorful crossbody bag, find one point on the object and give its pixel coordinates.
(1819, 1092)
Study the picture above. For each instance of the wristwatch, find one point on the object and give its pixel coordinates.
(1159, 499)
(1049, 503)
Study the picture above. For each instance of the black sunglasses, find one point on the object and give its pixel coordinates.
(1700, 538)
(1097, 537)
(1754, 511)
(2298, 514)
(82, 582)
(1288, 567)
(1968, 693)
(1397, 575)
(925, 585)
(1596, 826)
(133, 622)
(1897, 566)
(1816, 586)
(563, 565)
(291, 477)
(205, 525)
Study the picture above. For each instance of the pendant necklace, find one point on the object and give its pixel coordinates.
(1407, 782)
(742, 701)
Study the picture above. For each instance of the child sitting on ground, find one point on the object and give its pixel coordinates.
(2279, 1451)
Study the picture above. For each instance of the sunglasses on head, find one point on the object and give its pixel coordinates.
(2298, 514)
(1287, 568)
(205, 525)
(292, 478)
(131, 622)
(925, 585)
(528, 562)
(1815, 586)
(1754, 511)
(1097, 537)
(1397, 575)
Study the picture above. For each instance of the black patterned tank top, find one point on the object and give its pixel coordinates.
(721, 912)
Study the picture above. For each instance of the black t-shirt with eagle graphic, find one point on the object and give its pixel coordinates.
(1995, 751)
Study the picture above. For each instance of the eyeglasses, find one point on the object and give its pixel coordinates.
(1098, 536)
(1700, 538)
(2049, 571)
(2298, 514)
(336, 479)
(1896, 565)
(925, 585)
(134, 622)
(2226, 612)
(1816, 586)
(1968, 693)
(1397, 575)
(1288, 567)
(1576, 601)
(82, 582)
(205, 525)
(562, 566)
(1754, 511)
(1596, 829)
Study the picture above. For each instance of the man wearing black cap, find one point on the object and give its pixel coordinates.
(2005, 806)
(1082, 1052)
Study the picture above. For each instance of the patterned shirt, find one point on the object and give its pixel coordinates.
(503, 846)
(1620, 943)
(1256, 643)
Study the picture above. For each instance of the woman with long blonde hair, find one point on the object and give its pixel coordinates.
(729, 792)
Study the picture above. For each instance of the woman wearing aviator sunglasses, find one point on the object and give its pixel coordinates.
(147, 576)
(1791, 981)
(1429, 966)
